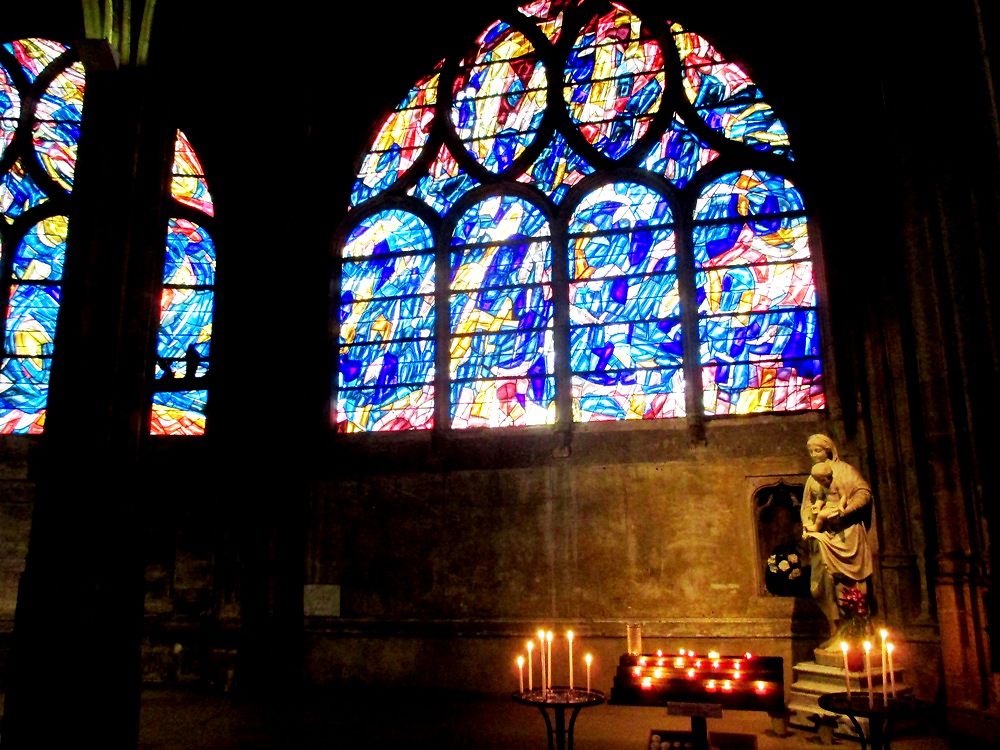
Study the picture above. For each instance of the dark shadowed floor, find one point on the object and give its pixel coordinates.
(424, 720)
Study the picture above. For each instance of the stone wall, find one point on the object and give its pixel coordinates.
(444, 556)
(17, 494)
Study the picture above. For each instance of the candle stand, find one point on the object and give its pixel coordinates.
(880, 715)
(558, 700)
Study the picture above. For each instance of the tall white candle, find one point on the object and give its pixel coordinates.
(847, 669)
(541, 656)
(520, 674)
(892, 673)
(569, 638)
(548, 660)
(531, 647)
(885, 657)
(588, 658)
(868, 672)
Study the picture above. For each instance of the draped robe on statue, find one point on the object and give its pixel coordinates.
(842, 551)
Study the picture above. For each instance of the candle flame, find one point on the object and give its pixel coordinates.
(844, 646)
(541, 634)
(736, 675)
(520, 661)
(713, 654)
(637, 671)
(647, 682)
(548, 636)
(727, 685)
(747, 655)
(889, 647)
(530, 645)
(588, 658)
(569, 635)
(659, 652)
(683, 652)
(867, 645)
(657, 673)
(760, 686)
(691, 673)
(710, 685)
(884, 633)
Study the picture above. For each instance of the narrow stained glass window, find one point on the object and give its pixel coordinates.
(501, 347)
(616, 254)
(38, 156)
(183, 343)
(387, 318)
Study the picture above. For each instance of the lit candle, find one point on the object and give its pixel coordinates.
(885, 657)
(892, 673)
(520, 673)
(548, 661)
(541, 656)
(588, 658)
(868, 672)
(531, 647)
(847, 669)
(569, 637)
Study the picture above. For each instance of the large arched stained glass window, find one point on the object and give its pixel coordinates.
(187, 303)
(596, 214)
(41, 106)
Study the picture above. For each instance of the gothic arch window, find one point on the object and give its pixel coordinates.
(590, 216)
(187, 302)
(41, 105)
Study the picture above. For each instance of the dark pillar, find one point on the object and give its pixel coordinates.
(76, 651)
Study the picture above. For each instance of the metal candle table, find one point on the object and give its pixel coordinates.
(558, 700)
(880, 715)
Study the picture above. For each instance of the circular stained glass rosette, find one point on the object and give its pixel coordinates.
(613, 83)
(499, 98)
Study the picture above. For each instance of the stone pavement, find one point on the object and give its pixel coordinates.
(368, 719)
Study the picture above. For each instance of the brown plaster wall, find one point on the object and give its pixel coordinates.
(627, 523)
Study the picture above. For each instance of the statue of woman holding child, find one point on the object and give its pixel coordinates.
(838, 522)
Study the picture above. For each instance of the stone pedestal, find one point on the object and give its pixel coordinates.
(826, 674)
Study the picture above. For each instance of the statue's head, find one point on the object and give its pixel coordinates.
(822, 472)
(821, 448)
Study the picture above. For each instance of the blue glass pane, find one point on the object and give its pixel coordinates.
(42, 251)
(620, 254)
(385, 408)
(31, 320)
(24, 387)
(178, 413)
(443, 184)
(747, 195)
(385, 366)
(602, 351)
(623, 299)
(502, 355)
(387, 276)
(19, 192)
(743, 289)
(500, 219)
(634, 394)
(620, 205)
(781, 334)
(679, 154)
(190, 258)
(556, 169)
(387, 232)
(185, 321)
(755, 240)
(520, 308)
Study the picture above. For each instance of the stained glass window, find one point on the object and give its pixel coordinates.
(592, 220)
(183, 343)
(38, 152)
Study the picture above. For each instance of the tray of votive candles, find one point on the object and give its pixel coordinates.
(745, 682)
